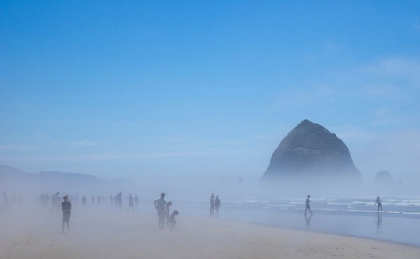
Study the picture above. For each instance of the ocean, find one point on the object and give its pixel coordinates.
(351, 216)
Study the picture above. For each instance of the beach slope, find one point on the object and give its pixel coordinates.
(133, 235)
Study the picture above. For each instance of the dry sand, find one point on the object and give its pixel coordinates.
(110, 234)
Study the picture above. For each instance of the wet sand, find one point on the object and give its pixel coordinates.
(113, 234)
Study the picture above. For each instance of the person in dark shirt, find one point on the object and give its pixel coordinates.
(66, 208)
(173, 221)
(307, 205)
(379, 202)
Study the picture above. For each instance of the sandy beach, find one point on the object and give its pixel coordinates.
(113, 234)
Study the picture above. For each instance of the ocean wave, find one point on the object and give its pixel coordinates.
(415, 204)
(338, 203)
(410, 213)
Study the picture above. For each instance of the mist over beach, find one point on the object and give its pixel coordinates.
(274, 129)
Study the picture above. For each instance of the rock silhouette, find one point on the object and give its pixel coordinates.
(384, 178)
(311, 153)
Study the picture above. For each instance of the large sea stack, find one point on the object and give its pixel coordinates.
(309, 154)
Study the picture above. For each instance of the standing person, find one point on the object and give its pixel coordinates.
(217, 205)
(57, 201)
(98, 199)
(84, 201)
(212, 205)
(130, 202)
(136, 201)
(307, 205)
(118, 200)
(379, 202)
(93, 199)
(160, 205)
(66, 208)
(167, 210)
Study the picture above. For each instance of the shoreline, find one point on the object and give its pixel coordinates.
(383, 227)
(321, 232)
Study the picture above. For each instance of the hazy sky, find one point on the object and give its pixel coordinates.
(125, 89)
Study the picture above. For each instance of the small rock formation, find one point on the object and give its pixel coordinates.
(311, 153)
(383, 178)
(400, 185)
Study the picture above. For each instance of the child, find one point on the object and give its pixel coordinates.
(173, 221)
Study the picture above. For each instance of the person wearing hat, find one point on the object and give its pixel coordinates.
(66, 208)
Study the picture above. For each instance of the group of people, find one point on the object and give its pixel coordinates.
(161, 205)
(214, 205)
(15, 200)
(116, 200)
(163, 211)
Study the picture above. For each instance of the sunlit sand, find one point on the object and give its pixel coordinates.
(114, 234)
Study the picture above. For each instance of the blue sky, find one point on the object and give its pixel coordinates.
(127, 89)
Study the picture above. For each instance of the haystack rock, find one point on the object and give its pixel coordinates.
(310, 153)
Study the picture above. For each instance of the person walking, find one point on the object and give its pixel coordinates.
(308, 207)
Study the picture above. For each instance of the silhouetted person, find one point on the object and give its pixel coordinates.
(212, 205)
(5, 200)
(167, 213)
(136, 201)
(84, 201)
(66, 208)
(93, 199)
(217, 205)
(160, 205)
(130, 202)
(98, 199)
(57, 199)
(172, 218)
(118, 200)
(20, 200)
(308, 207)
(379, 202)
